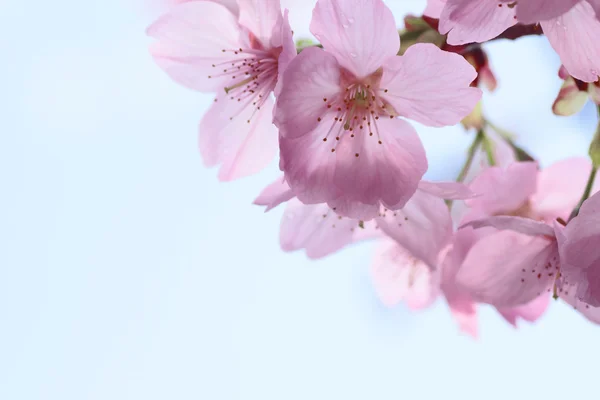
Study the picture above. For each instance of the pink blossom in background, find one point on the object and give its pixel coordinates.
(503, 156)
(205, 46)
(508, 269)
(579, 246)
(399, 277)
(418, 262)
(519, 189)
(341, 141)
(543, 259)
(462, 301)
(422, 260)
(416, 259)
(571, 26)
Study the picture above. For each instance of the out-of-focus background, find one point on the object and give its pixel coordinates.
(127, 271)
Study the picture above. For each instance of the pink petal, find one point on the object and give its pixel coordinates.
(530, 312)
(399, 276)
(423, 227)
(560, 187)
(260, 18)
(461, 303)
(354, 209)
(319, 230)
(568, 293)
(525, 226)
(570, 99)
(273, 195)
(507, 269)
(242, 148)
(434, 8)
(283, 37)
(468, 21)
(463, 310)
(574, 37)
(387, 172)
(462, 242)
(503, 191)
(361, 34)
(532, 11)
(447, 190)
(579, 245)
(308, 165)
(312, 76)
(430, 86)
(190, 39)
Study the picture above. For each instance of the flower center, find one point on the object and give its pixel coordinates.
(253, 75)
(355, 111)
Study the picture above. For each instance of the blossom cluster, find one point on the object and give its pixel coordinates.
(506, 233)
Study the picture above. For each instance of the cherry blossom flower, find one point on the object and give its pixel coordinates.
(417, 263)
(341, 141)
(421, 262)
(571, 26)
(240, 54)
(519, 190)
(513, 282)
(508, 269)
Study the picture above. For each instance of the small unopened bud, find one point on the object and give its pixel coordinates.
(475, 119)
(570, 99)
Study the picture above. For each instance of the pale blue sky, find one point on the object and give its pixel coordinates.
(128, 272)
